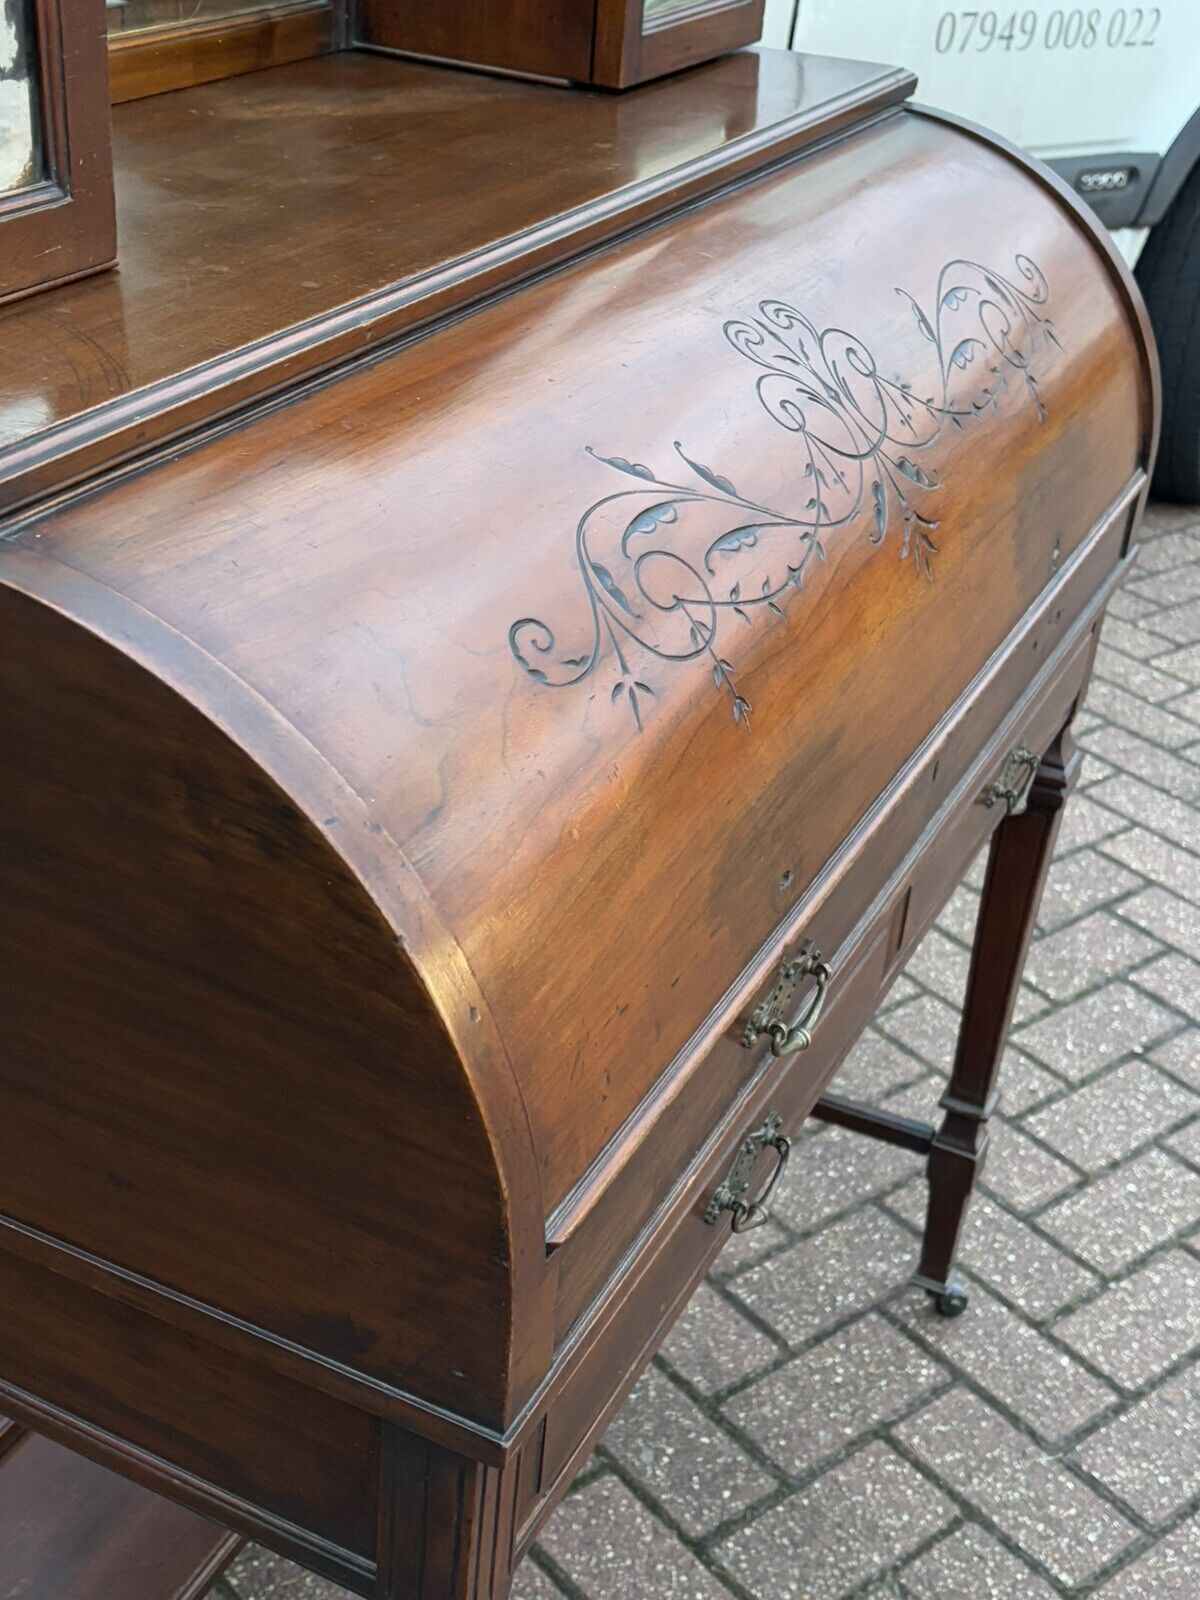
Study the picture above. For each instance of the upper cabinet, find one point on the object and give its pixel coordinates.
(56, 196)
(612, 43)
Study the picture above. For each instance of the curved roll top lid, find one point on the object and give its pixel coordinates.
(621, 601)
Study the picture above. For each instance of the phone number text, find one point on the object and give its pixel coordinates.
(1064, 28)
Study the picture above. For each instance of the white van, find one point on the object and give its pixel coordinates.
(1108, 95)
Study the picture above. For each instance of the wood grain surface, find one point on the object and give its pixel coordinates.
(73, 1531)
(418, 784)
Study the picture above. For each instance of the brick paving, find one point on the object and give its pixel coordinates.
(811, 1431)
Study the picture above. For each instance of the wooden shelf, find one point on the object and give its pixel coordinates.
(279, 224)
(73, 1531)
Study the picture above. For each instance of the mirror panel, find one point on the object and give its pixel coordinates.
(22, 158)
(662, 10)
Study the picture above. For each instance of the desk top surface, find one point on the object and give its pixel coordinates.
(275, 224)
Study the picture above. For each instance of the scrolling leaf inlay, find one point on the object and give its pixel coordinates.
(663, 564)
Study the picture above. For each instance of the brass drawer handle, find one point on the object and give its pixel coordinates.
(1015, 782)
(731, 1195)
(787, 1041)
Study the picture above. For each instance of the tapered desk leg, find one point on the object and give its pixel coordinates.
(1017, 864)
(446, 1524)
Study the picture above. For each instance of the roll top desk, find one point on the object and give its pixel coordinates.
(519, 605)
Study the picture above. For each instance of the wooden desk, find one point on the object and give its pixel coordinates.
(485, 647)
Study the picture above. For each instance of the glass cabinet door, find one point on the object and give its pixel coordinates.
(22, 161)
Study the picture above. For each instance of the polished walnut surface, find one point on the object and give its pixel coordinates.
(273, 223)
(416, 785)
(405, 641)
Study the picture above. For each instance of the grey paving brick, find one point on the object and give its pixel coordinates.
(1174, 979)
(901, 988)
(1167, 1572)
(713, 1345)
(1181, 1056)
(1135, 641)
(1185, 663)
(1093, 769)
(1131, 607)
(1180, 623)
(1007, 1254)
(970, 1564)
(1151, 808)
(1024, 1083)
(816, 1283)
(1042, 1507)
(1084, 822)
(1138, 715)
(864, 1375)
(611, 1548)
(1082, 882)
(1141, 1326)
(854, 1521)
(1101, 947)
(257, 1574)
(1020, 1172)
(919, 1100)
(940, 963)
(1113, 1115)
(1188, 705)
(1150, 1457)
(1147, 682)
(1177, 774)
(1030, 1004)
(530, 1584)
(1169, 549)
(1050, 1392)
(1130, 1211)
(960, 913)
(682, 1458)
(1187, 1143)
(1089, 1033)
(1156, 858)
(1160, 527)
(927, 1026)
(1175, 588)
(743, 1250)
(835, 1170)
(1173, 920)
(874, 1068)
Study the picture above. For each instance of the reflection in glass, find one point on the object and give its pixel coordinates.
(21, 160)
(659, 10)
(129, 16)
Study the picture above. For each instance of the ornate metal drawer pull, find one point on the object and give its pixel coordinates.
(786, 1041)
(1015, 782)
(731, 1195)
